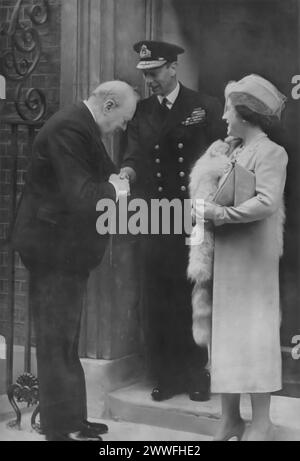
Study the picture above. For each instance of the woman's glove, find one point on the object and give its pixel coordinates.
(211, 210)
(207, 211)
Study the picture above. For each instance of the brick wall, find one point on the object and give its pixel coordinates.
(47, 78)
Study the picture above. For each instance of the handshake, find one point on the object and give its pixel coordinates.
(121, 182)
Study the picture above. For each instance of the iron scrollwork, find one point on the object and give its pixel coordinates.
(26, 390)
(18, 63)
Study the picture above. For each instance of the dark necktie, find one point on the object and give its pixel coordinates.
(164, 108)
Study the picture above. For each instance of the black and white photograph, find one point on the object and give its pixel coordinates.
(149, 223)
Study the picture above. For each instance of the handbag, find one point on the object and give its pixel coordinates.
(237, 187)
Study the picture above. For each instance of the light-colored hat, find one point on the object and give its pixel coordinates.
(2, 87)
(258, 94)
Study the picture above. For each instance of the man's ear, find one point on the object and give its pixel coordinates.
(173, 67)
(108, 105)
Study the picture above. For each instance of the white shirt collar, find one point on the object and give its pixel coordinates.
(171, 97)
(85, 102)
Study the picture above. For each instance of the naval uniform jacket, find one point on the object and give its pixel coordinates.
(162, 151)
(67, 176)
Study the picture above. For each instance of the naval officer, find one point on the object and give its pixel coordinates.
(169, 131)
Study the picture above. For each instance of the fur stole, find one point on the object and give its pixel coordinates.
(204, 182)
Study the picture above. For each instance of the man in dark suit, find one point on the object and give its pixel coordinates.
(168, 133)
(55, 234)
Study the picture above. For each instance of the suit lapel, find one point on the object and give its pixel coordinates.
(154, 115)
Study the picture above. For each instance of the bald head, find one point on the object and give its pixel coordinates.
(117, 90)
(113, 105)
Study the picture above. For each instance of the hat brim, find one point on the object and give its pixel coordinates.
(144, 65)
(232, 87)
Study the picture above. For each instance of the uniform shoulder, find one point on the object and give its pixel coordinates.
(201, 98)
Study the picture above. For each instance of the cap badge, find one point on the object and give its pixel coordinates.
(145, 53)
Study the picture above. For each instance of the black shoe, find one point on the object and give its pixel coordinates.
(98, 428)
(161, 393)
(199, 396)
(79, 436)
(200, 392)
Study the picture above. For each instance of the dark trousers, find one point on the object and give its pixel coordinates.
(175, 359)
(57, 301)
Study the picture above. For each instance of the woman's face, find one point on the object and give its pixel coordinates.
(234, 121)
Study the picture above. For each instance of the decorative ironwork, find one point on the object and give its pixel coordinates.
(26, 387)
(26, 390)
(18, 63)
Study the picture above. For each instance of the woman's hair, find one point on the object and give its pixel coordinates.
(265, 122)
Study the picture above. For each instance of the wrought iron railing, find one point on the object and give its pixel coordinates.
(26, 387)
(17, 63)
(22, 57)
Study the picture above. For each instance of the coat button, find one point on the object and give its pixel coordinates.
(181, 160)
(182, 174)
(157, 160)
(159, 175)
(160, 189)
(157, 147)
(180, 146)
(183, 189)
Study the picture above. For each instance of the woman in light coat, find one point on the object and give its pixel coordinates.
(245, 344)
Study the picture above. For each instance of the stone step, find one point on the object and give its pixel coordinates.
(118, 432)
(134, 404)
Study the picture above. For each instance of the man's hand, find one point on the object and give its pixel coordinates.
(121, 185)
(128, 173)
